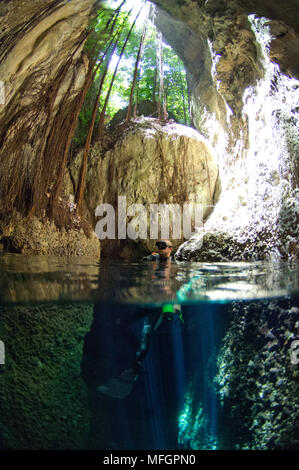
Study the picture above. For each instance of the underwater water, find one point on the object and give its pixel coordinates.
(131, 355)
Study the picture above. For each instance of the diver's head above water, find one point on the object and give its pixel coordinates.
(164, 248)
(164, 252)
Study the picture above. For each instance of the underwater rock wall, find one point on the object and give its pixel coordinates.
(257, 378)
(44, 401)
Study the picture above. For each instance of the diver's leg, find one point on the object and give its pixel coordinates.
(145, 341)
(121, 386)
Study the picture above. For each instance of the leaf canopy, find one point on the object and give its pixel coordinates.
(110, 22)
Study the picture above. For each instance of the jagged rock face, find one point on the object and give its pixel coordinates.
(43, 377)
(257, 376)
(243, 100)
(151, 163)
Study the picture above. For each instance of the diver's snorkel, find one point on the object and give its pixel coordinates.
(168, 313)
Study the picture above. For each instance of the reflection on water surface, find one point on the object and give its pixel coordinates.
(34, 278)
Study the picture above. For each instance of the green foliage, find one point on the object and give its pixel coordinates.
(148, 68)
(174, 73)
(99, 32)
(177, 92)
(85, 117)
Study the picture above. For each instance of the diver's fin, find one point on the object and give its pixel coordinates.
(120, 387)
(159, 321)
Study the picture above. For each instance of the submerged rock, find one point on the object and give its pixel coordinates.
(257, 384)
(44, 401)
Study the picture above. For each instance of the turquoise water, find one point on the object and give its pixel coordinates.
(91, 363)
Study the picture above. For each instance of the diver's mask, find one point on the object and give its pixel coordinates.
(161, 245)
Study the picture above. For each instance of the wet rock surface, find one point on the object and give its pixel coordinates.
(44, 401)
(150, 162)
(243, 100)
(29, 235)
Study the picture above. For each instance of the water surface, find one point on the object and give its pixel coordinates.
(49, 278)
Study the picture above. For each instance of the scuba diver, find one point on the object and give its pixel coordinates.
(165, 252)
(121, 386)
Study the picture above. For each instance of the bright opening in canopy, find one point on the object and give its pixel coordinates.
(135, 68)
(134, 6)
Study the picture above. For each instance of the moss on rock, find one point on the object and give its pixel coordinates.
(44, 402)
(257, 376)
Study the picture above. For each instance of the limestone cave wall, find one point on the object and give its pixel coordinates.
(149, 163)
(43, 70)
(242, 64)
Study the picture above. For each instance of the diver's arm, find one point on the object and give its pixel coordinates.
(151, 257)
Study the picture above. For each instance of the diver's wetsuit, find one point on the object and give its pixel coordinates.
(121, 386)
